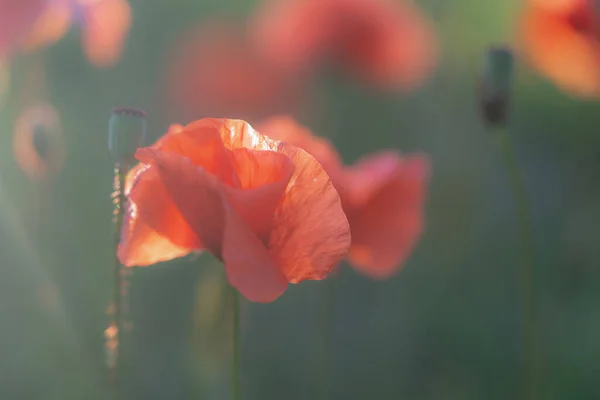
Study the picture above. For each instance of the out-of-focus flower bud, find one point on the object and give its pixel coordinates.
(496, 85)
(126, 133)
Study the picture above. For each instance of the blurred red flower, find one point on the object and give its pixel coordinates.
(17, 17)
(105, 25)
(265, 208)
(214, 72)
(390, 44)
(383, 196)
(562, 40)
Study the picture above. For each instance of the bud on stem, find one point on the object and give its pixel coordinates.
(127, 129)
(496, 85)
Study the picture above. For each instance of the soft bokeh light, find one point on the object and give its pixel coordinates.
(104, 26)
(16, 19)
(38, 141)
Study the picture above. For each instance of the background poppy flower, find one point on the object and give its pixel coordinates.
(16, 19)
(390, 44)
(213, 71)
(561, 39)
(265, 208)
(104, 24)
(382, 194)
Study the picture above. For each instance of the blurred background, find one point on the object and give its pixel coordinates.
(447, 326)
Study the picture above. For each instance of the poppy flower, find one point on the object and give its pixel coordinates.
(104, 24)
(390, 44)
(16, 19)
(267, 209)
(383, 196)
(38, 143)
(214, 71)
(562, 41)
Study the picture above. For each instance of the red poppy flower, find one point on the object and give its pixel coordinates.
(214, 72)
(104, 23)
(562, 40)
(265, 208)
(17, 17)
(387, 43)
(383, 196)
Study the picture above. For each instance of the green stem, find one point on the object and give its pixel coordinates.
(528, 262)
(327, 324)
(235, 355)
(114, 333)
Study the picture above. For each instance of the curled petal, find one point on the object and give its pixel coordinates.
(386, 229)
(236, 133)
(310, 231)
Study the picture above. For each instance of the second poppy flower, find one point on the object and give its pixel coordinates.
(383, 196)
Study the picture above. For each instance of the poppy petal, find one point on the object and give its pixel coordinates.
(250, 268)
(142, 246)
(202, 145)
(310, 232)
(236, 133)
(367, 176)
(387, 228)
(154, 230)
(263, 177)
(193, 191)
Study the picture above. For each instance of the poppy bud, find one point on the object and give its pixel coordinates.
(126, 133)
(496, 85)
